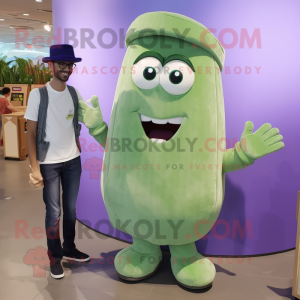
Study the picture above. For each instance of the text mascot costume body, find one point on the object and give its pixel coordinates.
(168, 116)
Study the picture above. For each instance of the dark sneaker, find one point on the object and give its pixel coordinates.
(76, 255)
(56, 270)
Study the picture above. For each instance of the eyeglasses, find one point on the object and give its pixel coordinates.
(63, 65)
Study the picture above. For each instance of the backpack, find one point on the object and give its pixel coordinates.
(41, 145)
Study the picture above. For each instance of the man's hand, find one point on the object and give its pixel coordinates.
(36, 178)
(263, 141)
(90, 116)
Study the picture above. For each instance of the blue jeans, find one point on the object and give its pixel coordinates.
(68, 174)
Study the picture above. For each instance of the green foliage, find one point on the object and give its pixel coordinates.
(22, 76)
(39, 73)
(23, 72)
(4, 70)
(3, 57)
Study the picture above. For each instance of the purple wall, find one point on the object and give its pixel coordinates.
(262, 197)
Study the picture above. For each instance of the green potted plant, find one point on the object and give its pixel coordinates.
(5, 76)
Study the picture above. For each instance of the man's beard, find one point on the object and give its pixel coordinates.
(61, 77)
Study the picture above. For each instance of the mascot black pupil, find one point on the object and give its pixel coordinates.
(149, 73)
(176, 77)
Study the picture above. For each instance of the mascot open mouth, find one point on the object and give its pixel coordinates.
(160, 130)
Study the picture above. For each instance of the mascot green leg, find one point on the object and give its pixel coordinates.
(190, 268)
(139, 261)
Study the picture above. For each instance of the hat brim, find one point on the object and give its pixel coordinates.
(62, 58)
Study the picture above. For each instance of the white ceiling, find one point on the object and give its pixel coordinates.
(12, 12)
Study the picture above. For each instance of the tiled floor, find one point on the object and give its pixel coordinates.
(267, 277)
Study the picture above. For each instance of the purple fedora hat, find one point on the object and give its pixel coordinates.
(62, 52)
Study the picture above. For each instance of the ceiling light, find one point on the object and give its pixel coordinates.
(2, 20)
(25, 14)
(45, 10)
(39, 0)
(21, 27)
(47, 27)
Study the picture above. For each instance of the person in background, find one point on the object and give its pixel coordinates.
(62, 165)
(5, 108)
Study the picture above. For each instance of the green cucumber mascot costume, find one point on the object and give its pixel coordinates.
(167, 120)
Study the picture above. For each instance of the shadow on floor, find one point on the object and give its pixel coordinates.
(163, 276)
(283, 292)
(222, 270)
(2, 193)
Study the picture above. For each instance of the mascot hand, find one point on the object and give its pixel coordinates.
(90, 116)
(263, 141)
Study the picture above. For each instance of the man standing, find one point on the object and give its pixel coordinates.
(61, 163)
(5, 108)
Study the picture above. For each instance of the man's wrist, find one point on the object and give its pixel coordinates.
(34, 168)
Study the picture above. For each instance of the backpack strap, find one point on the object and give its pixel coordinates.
(77, 126)
(42, 146)
(41, 126)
